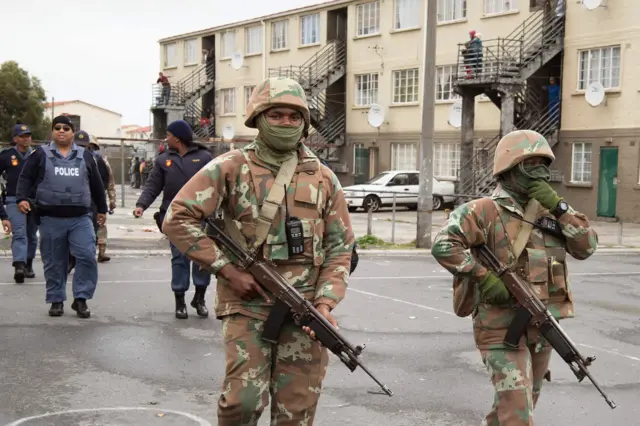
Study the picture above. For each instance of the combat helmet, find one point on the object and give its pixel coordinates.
(516, 147)
(277, 92)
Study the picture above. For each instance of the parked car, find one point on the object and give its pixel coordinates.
(378, 192)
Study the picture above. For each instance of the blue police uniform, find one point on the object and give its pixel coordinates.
(65, 189)
(169, 174)
(24, 239)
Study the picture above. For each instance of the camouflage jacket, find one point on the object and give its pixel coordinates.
(231, 184)
(111, 188)
(542, 263)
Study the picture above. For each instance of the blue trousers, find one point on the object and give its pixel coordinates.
(180, 266)
(24, 239)
(60, 236)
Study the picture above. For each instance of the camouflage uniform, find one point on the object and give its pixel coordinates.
(101, 233)
(237, 183)
(517, 375)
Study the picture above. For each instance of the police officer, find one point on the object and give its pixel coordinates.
(66, 181)
(25, 238)
(173, 168)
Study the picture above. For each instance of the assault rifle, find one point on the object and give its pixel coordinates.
(290, 301)
(531, 310)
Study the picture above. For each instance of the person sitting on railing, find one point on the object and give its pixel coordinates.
(472, 53)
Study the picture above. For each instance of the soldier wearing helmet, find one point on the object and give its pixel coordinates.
(238, 185)
(537, 252)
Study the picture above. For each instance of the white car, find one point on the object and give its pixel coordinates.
(378, 192)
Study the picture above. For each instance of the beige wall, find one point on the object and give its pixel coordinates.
(585, 29)
(95, 121)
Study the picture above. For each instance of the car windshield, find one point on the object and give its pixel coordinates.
(379, 179)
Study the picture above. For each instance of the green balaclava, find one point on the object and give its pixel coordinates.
(276, 143)
(519, 179)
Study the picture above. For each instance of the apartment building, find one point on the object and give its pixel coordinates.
(351, 54)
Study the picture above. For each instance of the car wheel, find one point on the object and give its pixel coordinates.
(437, 203)
(371, 202)
(352, 209)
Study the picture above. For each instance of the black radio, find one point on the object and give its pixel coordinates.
(294, 230)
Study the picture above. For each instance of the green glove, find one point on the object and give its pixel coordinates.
(544, 193)
(493, 290)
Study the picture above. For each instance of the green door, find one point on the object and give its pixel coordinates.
(361, 165)
(608, 182)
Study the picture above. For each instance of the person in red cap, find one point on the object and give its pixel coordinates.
(472, 54)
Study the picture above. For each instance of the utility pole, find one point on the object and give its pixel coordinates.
(425, 194)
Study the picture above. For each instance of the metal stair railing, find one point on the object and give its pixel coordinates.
(479, 164)
(318, 68)
(328, 118)
(196, 80)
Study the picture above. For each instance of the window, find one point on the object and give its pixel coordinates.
(279, 35)
(404, 156)
(170, 55)
(499, 6)
(446, 160)
(407, 14)
(253, 40)
(451, 10)
(405, 86)
(368, 18)
(190, 56)
(445, 76)
(366, 89)
(310, 29)
(228, 101)
(602, 65)
(581, 162)
(248, 90)
(228, 43)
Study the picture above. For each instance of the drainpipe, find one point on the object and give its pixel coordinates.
(264, 49)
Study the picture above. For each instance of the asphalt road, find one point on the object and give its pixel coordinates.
(134, 356)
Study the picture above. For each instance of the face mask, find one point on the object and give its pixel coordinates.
(279, 138)
(538, 171)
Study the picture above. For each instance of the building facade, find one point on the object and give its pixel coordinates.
(95, 120)
(352, 54)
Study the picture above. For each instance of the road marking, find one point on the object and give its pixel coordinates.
(199, 420)
(380, 296)
(417, 277)
(633, 358)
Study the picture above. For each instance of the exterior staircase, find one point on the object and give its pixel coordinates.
(328, 109)
(185, 95)
(511, 62)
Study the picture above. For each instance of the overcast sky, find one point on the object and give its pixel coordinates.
(106, 52)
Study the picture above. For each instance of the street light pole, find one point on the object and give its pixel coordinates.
(425, 194)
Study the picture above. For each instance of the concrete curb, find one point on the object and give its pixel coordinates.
(6, 254)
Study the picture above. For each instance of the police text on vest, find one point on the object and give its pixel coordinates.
(66, 171)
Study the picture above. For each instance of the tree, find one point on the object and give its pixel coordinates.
(21, 101)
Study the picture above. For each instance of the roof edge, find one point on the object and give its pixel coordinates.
(327, 4)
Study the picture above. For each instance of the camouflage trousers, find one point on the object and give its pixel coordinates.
(517, 377)
(101, 234)
(291, 372)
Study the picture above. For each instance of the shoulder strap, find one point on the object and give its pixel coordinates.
(524, 230)
(274, 199)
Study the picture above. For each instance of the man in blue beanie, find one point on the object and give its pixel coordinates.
(173, 168)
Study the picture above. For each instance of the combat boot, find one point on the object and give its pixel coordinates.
(198, 302)
(181, 307)
(102, 257)
(56, 310)
(81, 308)
(19, 273)
(29, 273)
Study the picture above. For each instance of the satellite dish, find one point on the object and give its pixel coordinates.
(376, 115)
(594, 95)
(455, 114)
(592, 4)
(237, 60)
(228, 132)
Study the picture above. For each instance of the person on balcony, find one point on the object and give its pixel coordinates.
(472, 54)
(553, 93)
(166, 88)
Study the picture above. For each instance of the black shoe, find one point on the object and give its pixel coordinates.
(80, 306)
(28, 273)
(20, 268)
(56, 310)
(198, 302)
(181, 306)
